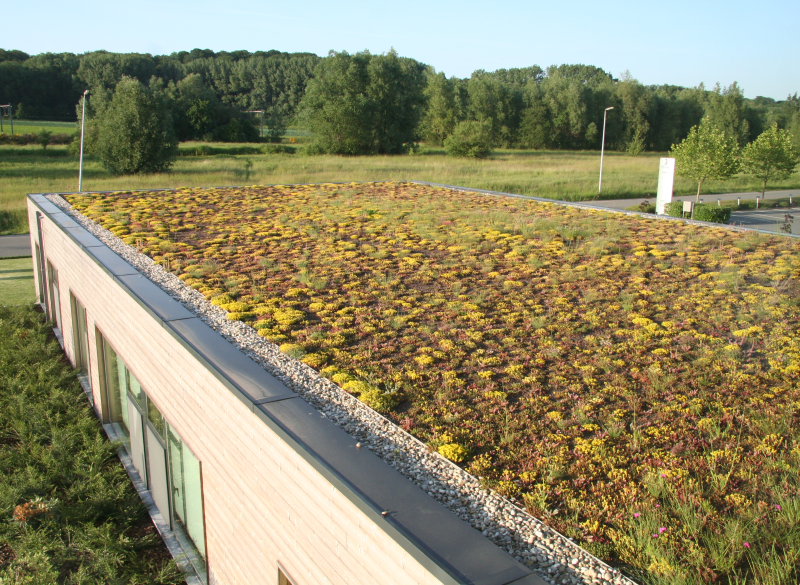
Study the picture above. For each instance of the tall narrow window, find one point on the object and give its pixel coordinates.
(116, 392)
(80, 335)
(187, 491)
(165, 464)
(55, 297)
(39, 275)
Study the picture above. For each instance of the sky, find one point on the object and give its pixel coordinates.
(679, 42)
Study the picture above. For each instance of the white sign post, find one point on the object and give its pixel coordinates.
(666, 180)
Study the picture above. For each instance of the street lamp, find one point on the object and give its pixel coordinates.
(602, 149)
(83, 124)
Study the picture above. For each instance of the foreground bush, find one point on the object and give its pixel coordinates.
(68, 512)
(702, 212)
(470, 139)
(712, 213)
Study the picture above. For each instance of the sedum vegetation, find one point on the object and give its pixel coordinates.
(68, 512)
(633, 381)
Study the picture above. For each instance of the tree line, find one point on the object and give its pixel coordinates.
(363, 103)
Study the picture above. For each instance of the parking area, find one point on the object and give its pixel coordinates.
(768, 219)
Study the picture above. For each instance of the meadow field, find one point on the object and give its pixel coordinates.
(632, 381)
(36, 126)
(567, 175)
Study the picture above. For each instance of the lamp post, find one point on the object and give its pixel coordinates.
(602, 149)
(83, 124)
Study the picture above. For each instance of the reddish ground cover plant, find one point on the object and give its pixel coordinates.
(634, 380)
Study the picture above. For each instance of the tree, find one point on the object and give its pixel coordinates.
(43, 138)
(771, 155)
(706, 153)
(727, 110)
(365, 104)
(134, 131)
(441, 115)
(471, 139)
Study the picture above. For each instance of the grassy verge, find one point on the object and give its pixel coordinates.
(68, 512)
(36, 126)
(16, 282)
(556, 175)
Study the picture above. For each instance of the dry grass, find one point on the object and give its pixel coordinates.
(557, 175)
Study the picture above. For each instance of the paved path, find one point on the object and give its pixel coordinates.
(763, 219)
(623, 203)
(11, 246)
(769, 220)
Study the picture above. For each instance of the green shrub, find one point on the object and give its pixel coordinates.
(13, 221)
(712, 213)
(470, 139)
(278, 149)
(70, 514)
(134, 132)
(702, 211)
(674, 209)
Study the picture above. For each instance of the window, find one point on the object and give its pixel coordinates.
(39, 275)
(55, 297)
(283, 579)
(165, 464)
(80, 335)
(187, 490)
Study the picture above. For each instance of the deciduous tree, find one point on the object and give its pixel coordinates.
(365, 104)
(134, 131)
(770, 156)
(706, 153)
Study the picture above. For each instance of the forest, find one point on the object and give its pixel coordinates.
(557, 107)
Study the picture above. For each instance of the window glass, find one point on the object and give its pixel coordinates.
(55, 297)
(187, 491)
(80, 334)
(116, 385)
(39, 275)
(135, 389)
(155, 417)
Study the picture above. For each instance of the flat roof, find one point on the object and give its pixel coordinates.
(446, 545)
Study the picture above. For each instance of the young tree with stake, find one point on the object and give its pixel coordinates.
(705, 154)
(770, 156)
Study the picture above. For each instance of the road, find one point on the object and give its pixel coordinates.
(763, 219)
(11, 246)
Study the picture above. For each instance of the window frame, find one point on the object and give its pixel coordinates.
(55, 296)
(80, 346)
(144, 406)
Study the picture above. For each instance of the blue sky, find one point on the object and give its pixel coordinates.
(677, 42)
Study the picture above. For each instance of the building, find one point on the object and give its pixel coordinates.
(246, 479)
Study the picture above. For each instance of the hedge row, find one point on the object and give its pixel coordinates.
(702, 212)
(23, 139)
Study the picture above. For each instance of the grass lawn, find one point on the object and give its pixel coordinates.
(633, 381)
(16, 282)
(69, 511)
(36, 126)
(557, 175)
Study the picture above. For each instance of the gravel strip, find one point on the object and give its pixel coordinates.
(553, 556)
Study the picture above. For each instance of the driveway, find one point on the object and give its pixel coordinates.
(11, 246)
(763, 219)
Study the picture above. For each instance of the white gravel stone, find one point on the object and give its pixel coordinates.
(496, 516)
